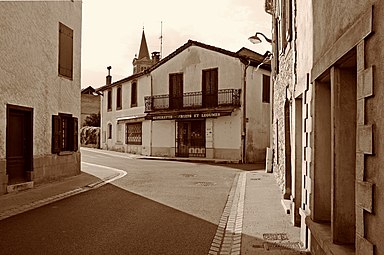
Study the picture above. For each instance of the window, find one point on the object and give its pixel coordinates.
(118, 99)
(133, 133)
(109, 100)
(65, 51)
(134, 94)
(210, 87)
(288, 20)
(109, 131)
(64, 133)
(176, 91)
(266, 88)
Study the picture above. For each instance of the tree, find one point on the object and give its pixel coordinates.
(92, 120)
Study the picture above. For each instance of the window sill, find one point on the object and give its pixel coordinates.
(65, 153)
(323, 235)
(65, 77)
(118, 108)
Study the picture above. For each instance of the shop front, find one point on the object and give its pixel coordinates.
(188, 134)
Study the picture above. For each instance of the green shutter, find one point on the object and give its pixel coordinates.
(56, 134)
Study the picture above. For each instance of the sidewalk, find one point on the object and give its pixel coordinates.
(266, 227)
(15, 203)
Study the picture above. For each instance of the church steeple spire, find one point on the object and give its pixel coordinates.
(143, 52)
(143, 61)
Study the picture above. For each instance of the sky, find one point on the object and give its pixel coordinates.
(112, 29)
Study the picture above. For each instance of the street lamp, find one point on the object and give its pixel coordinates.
(255, 39)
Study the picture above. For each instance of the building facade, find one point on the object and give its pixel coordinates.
(122, 115)
(90, 103)
(198, 105)
(191, 104)
(335, 112)
(40, 92)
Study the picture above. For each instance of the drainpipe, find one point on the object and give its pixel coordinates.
(150, 138)
(244, 119)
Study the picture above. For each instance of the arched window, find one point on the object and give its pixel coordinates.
(134, 94)
(109, 131)
(109, 100)
(118, 98)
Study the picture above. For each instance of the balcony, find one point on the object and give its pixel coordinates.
(193, 100)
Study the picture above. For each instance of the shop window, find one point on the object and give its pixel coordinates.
(64, 133)
(133, 133)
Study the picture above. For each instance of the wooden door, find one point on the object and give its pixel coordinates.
(19, 144)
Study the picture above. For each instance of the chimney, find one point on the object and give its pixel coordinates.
(109, 77)
(155, 57)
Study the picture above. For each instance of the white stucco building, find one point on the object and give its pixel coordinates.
(199, 101)
(40, 47)
(123, 126)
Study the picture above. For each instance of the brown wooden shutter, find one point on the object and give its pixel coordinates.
(65, 51)
(56, 133)
(75, 134)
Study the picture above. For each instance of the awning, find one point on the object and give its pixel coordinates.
(132, 118)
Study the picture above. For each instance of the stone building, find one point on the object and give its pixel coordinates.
(334, 75)
(40, 47)
(284, 93)
(199, 101)
(90, 103)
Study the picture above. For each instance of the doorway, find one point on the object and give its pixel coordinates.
(190, 138)
(19, 143)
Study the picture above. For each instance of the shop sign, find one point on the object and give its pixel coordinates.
(188, 116)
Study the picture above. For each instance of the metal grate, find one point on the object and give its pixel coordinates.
(188, 175)
(282, 246)
(275, 236)
(204, 184)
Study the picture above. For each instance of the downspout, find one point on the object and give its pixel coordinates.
(244, 119)
(150, 135)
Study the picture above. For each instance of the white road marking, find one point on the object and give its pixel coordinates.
(108, 179)
(124, 155)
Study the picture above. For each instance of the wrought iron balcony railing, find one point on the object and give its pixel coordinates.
(193, 100)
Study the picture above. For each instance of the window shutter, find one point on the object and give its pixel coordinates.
(56, 134)
(75, 134)
(65, 51)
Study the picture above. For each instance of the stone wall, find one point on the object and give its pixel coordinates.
(54, 167)
(283, 80)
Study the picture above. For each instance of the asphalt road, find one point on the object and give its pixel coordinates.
(157, 207)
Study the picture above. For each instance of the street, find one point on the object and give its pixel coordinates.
(147, 207)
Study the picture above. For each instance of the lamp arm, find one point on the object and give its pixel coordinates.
(266, 38)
